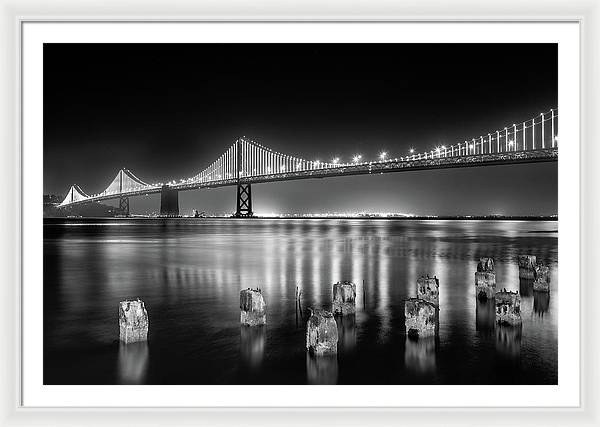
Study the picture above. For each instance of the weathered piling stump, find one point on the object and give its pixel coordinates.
(344, 298)
(253, 310)
(428, 289)
(420, 318)
(321, 333)
(508, 308)
(485, 279)
(542, 278)
(527, 266)
(133, 321)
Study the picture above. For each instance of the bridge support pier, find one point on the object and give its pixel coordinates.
(169, 201)
(123, 206)
(244, 201)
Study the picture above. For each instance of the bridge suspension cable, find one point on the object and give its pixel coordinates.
(75, 194)
(254, 160)
(537, 133)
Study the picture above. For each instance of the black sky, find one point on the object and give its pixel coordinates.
(166, 111)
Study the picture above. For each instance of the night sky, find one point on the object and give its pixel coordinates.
(167, 111)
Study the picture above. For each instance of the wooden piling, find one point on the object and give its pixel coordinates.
(527, 265)
(133, 321)
(344, 298)
(253, 310)
(321, 333)
(485, 279)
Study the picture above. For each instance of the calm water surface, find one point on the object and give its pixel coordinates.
(189, 273)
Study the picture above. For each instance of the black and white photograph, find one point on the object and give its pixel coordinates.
(300, 213)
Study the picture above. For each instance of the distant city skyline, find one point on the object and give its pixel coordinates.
(167, 111)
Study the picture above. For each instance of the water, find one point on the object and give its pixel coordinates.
(189, 273)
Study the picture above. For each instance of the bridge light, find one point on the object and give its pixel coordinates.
(283, 168)
(443, 147)
(412, 150)
(511, 142)
(317, 162)
(471, 146)
(335, 161)
(356, 158)
(382, 155)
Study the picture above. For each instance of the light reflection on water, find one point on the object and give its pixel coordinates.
(419, 355)
(189, 273)
(133, 362)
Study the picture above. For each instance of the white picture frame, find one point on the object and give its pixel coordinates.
(16, 13)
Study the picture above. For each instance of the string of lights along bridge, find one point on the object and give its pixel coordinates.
(248, 162)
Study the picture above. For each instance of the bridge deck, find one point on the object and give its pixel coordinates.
(390, 166)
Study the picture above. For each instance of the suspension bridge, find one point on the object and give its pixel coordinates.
(248, 162)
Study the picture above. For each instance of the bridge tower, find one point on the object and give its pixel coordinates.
(244, 201)
(244, 191)
(169, 201)
(123, 200)
(124, 206)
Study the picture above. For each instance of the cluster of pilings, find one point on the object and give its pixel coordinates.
(421, 313)
(531, 270)
(534, 279)
(322, 328)
(503, 307)
(507, 303)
